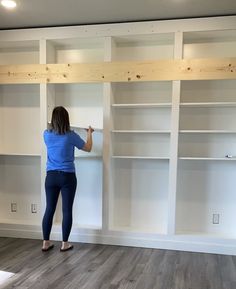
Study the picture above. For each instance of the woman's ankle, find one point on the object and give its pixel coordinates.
(46, 243)
(65, 244)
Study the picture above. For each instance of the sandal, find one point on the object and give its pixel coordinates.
(67, 249)
(48, 248)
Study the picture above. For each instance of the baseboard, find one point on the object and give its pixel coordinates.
(175, 242)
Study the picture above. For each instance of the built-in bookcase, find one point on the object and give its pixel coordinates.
(207, 139)
(140, 140)
(20, 140)
(84, 103)
(161, 173)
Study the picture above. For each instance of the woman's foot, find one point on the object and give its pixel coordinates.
(66, 247)
(47, 246)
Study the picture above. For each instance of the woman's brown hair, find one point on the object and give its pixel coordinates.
(60, 122)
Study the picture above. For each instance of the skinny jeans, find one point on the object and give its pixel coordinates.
(56, 182)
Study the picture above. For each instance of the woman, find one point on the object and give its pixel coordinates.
(60, 142)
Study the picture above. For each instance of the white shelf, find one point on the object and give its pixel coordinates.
(20, 154)
(208, 104)
(138, 230)
(73, 126)
(89, 156)
(80, 226)
(141, 105)
(207, 131)
(140, 157)
(208, 158)
(141, 131)
(200, 235)
(96, 129)
(20, 222)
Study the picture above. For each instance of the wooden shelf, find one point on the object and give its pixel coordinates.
(89, 156)
(80, 226)
(96, 129)
(141, 131)
(20, 222)
(208, 158)
(141, 105)
(147, 230)
(207, 131)
(141, 157)
(20, 154)
(208, 104)
(199, 234)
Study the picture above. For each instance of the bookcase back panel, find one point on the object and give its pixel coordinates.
(150, 92)
(87, 209)
(140, 194)
(84, 103)
(207, 118)
(141, 118)
(144, 47)
(208, 91)
(205, 188)
(207, 145)
(20, 115)
(19, 52)
(20, 183)
(77, 50)
(156, 145)
(209, 50)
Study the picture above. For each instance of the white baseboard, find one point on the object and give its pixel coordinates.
(175, 242)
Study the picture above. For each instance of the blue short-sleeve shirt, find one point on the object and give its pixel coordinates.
(60, 150)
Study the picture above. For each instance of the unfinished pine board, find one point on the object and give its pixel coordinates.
(179, 69)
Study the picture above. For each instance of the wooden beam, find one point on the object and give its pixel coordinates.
(181, 69)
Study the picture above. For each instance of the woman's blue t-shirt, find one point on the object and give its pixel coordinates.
(60, 150)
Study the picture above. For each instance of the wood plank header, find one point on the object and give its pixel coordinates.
(162, 70)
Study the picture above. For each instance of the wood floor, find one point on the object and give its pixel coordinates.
(91, 266)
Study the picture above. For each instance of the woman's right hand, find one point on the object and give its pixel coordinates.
(90, 129)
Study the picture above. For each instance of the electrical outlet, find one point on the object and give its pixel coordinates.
(33, 208)
(216, 219)
(13, 207)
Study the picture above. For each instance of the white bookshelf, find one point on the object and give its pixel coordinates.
(20, 184)
(207, 134)
(138, 204)
(158, 170)
(20, 140)
(84, 102)
(205, 187)
(140, 140)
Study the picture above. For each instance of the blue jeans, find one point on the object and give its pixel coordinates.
(56, 182)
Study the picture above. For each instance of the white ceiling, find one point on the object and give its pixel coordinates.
(43, 13)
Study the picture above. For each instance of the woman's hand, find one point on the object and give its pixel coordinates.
(90, 129)
(89, 143)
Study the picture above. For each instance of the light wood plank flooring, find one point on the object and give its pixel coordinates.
(91, 266)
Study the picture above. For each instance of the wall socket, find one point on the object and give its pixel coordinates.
(13, 207)
(216, 219)
(33, 208)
